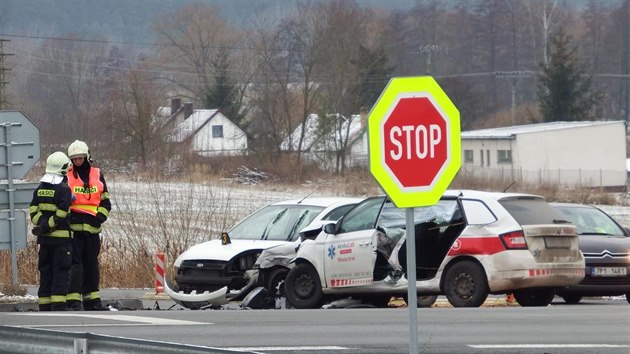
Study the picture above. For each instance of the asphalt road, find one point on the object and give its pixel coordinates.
(593, 326)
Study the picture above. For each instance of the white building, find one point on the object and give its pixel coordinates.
(323, 147)
(206, 132)
(581, 153)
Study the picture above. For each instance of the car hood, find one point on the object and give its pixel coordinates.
(215, 250)
(598, 246)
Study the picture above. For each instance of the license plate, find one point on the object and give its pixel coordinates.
(557, 242)
(609, 271)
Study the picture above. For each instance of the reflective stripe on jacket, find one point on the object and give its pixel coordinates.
(88, 196)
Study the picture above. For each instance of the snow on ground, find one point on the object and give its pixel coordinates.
(12, 299)
(191, 211)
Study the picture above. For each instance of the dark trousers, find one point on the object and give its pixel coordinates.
(85, 273)
(54, 264)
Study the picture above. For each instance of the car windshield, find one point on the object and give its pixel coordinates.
(591, 221)
(275, 222)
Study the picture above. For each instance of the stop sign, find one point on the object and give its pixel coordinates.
(414, 141)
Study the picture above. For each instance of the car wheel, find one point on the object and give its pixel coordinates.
(274, 281)
(534, 296)
(423, 300)
(303, 288)
(465, 285)
(572, 298)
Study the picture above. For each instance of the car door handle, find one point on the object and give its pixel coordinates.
(364, 243)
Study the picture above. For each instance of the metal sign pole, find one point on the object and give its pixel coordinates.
(412, 293)
(11, 192)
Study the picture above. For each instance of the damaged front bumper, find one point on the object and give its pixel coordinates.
(194, 300)
(217, 298)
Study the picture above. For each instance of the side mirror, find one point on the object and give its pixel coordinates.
(330, 228)
(310, 233)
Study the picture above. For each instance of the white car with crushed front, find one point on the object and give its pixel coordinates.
(217, 271)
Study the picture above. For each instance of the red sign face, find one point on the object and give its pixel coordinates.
(415, 141)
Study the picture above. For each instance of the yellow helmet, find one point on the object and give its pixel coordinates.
(57, 163)
(79, 148)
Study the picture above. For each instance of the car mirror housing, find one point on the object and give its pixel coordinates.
(330, 228)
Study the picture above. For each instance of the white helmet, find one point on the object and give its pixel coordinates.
(77, 149)
(57, 163)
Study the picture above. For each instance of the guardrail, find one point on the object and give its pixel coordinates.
(30, 340)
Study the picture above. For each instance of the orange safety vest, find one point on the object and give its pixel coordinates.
(88, 198)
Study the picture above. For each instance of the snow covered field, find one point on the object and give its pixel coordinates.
(210, 208)
(149, 215)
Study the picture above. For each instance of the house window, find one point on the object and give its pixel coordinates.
(217, 131)
(468, 156)
(481, 156)
(504, 156)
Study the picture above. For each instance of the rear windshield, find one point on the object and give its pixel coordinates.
(532, 211)
(591, 221)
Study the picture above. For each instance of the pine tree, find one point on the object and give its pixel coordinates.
(373, 74)
(224, 94)
(564, 89)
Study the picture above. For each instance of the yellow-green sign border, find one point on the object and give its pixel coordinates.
(424, 86)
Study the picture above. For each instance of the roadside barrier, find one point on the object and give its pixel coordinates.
(160, 261)
(18, 340)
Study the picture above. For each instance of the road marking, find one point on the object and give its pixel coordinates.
(141, 319)
(292, 349)
(522, 346)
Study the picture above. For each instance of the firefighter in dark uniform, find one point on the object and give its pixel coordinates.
(89, 209)
(49, 212)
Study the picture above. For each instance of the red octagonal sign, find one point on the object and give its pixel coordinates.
(414, 136)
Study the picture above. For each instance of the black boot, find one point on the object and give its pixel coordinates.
(58, 306)
(44, 307)
(74, 305)
(94, 305)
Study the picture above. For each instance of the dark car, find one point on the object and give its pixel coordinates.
(606, 248)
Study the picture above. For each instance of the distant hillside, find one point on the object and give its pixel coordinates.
(128, 20)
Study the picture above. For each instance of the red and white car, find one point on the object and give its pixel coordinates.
(470, 244)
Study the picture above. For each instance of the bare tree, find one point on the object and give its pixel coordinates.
(135, 112)
(190, 39)
(271, 95)
(66, 82)
(345, 26)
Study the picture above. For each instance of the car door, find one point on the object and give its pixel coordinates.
(350, 253)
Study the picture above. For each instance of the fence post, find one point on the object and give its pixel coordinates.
(160, 261)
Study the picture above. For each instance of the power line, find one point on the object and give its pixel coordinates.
(104, 41)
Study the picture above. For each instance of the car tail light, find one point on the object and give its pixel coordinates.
(514, 240)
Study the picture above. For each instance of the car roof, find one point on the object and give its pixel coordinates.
(484, 194)
(320, 201)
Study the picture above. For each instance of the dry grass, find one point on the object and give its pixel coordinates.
(172, 213)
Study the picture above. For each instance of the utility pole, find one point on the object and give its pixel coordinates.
(429, 49)
(3, 76)
(514, 76)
